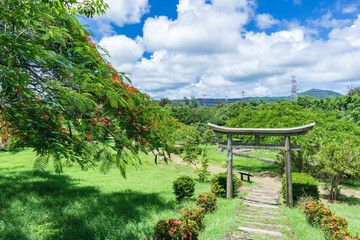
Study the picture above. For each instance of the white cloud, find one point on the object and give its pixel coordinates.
(350, 9)
(123, 51)
(327, 21)
(265, 20)
(208, 42)
(121, 12)
(297, 2)
(200, 27)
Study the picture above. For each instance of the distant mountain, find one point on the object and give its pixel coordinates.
(317, 93)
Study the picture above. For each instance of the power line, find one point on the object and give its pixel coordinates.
(293, 88)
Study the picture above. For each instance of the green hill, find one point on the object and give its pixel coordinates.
(318, 93)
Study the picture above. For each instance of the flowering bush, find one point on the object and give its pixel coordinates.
(176, 229)
(335, 227)
(194, 214)
(316, 211)
(183, 186)
(207, 201)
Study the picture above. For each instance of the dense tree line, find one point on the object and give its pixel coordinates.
(330, 150)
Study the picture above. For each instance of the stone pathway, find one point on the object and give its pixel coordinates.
(260, 217)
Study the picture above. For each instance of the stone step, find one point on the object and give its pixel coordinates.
(262, 195)
(264, 202)
(260, 205)
(252, 210)
(270, 228)
(266, 224)
(240, 237)
(259, 216)
(260, 231)
(263, 192)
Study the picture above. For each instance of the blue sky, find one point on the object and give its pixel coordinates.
(219, 48)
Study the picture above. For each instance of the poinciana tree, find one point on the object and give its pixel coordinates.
(60, 96)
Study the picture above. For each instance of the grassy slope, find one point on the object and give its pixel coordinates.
(89, 205)
(242, 164)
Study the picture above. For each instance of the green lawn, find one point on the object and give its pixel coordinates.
(90, 205)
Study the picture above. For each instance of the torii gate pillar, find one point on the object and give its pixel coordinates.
(229, 183)
(288, 177)
(256, 132)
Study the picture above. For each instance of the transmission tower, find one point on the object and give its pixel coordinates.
(293, 88)
(226, 99)
(204, 100)
(243, 94)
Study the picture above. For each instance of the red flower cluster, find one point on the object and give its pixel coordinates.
(207, 201)
(89, 138)
(90, 41)
(95, 121)
(195, 214)
(131, 88)
(176, 229)
(316, 211)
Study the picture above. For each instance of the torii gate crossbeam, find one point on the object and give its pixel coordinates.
(287, 147)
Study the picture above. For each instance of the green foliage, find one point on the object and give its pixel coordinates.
(176, 229)
(183, 187)
(218, 184)
(328, 128)
(62, 97)
(207, 201)
(303, 185)
(335, 159)
(164, 101)
(354, 91)
(192, 139)
(194, 214)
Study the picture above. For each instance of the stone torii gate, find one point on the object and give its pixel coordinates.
(287, 147)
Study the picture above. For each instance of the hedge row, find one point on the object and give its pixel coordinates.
(303, 185)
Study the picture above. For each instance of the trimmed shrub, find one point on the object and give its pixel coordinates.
(183, 186)
(195, 214)
(218, 184)
(316, 212)
(303, 185)
(176, 229)
(207, 201)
